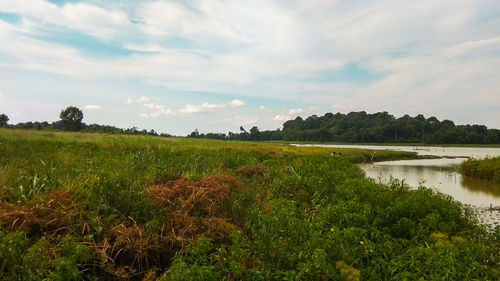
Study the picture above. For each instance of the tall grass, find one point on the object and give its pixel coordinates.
(92, 206)
(486, 169)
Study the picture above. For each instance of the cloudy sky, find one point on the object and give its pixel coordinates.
(212, 65)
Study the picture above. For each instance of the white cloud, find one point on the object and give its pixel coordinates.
(238, 120)
(290, 114)
(213, 18)
(143, 99)
(162, 110)
(92, 107)
(226, 120)
(22, 110)
(15, 114)
(282, 118)
(426, 53)
(201, 108)
(149, 48)
(295, 111)
(145, 102)
(264, 109)
(90, 19)
(157, 113)
(180, 67)
(153, 105)
(236, 103)
(488, 44)
(336, 106)
(157, 109)
(245, 120)
(209, 107)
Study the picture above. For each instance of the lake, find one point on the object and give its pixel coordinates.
(435, 173)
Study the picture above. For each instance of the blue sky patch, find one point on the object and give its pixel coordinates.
(197, 97)
(86, 44)
(62, 2)
(352, 73)
(10, 18)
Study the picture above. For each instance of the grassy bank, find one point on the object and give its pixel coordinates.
(91, 206)
(486, 169)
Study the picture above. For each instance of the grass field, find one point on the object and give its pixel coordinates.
(113, 207)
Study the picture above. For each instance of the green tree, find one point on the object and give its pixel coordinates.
(194, 134)
(254, 133)
(71, 118)
(3, 120)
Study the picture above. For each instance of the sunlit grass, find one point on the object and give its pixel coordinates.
(77, 206)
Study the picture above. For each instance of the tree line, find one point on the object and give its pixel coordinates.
(353, 127)
(71, 120)
(361, 127)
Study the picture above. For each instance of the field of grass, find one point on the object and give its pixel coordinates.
(112, 207)
(486, 169)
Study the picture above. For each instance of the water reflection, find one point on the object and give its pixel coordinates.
(474, 152)
(439, 174)
(481, 186)
(466, 190)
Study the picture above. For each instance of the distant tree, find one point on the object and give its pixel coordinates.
(448, 123)
(71, 118)
(420, 118)
(432, 119)
(254, 133)
(329, 115)
(3, 120)
(194, 134)
(293, 124)
(378, 127)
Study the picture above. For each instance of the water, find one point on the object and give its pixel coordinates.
(467, 190)
(464, 152)
(436, 173)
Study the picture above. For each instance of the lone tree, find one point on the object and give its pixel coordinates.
(3, 120)
(71, 118)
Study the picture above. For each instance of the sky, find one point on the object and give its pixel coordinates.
(213, 65)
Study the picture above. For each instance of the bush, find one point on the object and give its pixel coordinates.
(486, 169)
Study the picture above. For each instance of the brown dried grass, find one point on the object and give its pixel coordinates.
(206, 197)
(196, 208)
(257, 170)
(54, 215)
(133, 246)
(218, 227)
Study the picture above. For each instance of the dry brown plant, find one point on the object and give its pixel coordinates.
(54, 215)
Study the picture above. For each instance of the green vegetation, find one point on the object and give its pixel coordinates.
(360, 127)
(486, 169)
(354, 127)
(71, 120)
(114, 207)
(3, 120)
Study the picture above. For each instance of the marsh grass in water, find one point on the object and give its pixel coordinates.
(92, 206)
(486, 169)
